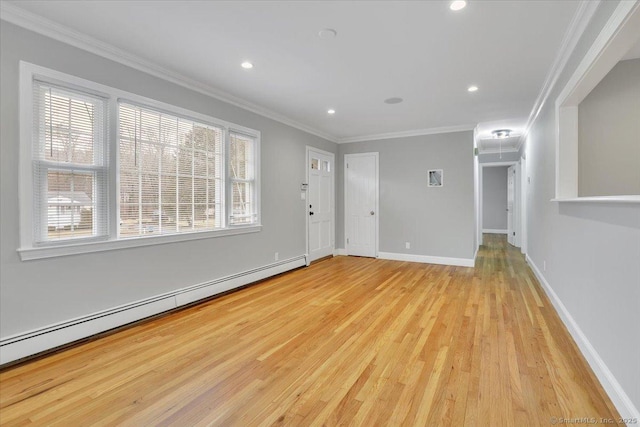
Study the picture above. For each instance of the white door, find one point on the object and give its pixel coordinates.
(320, 166)
(361, 204)
(511, 187)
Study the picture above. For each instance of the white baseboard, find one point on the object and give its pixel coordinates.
(620, 399)
(463, 262)
(494, 231)
(340, 252)
(28, 343)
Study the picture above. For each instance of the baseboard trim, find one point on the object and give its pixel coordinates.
(494, 231)
(426, 259)
(616, 393)
(38, 340)
(340, 252)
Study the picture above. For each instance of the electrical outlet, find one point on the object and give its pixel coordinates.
(407, 245)
(276, 256)
(544, 265)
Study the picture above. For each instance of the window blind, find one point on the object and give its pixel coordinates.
(243, 181)
(70, 168)
(171, 173)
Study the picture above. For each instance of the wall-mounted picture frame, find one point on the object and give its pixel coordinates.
(435, 178)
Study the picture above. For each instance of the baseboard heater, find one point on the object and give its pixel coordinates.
(32, 342)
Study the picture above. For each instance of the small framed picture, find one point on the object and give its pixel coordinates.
(436, 178)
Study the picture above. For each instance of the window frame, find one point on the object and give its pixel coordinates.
(230, 180)
(28, 250)
(93, 168)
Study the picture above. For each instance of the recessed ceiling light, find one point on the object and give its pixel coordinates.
(458, 5)
(394, 100)
(331, 111)
(247, 65)
(472, 88)
(327, 33)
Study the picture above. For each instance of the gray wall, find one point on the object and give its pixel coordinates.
(609, 134)
(494, 197)
(591, 250)
(437, 221)
(38, 293)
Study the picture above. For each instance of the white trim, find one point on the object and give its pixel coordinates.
(31, 342)
(620, 399)
(495, 231)
(600, 199)
(333, 199)
(56, 31)
(524, 195)
(581, 19)
(498, 151)
(617, 36)
(498, 164)
(406, 133)
(377, 211)
(340, 252)
(426, 259)
(27, 254)
(480, 211)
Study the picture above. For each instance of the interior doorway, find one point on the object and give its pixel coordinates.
(513, 203)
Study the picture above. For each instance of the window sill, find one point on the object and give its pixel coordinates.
(600, 199)
(27, 254)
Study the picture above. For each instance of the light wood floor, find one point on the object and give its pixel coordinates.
(346, 341)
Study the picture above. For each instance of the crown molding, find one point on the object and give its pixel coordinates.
(407, 133)
(581, 19)
(61, 33)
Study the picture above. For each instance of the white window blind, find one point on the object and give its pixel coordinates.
(70, 170)
(171, 173)
(242, 176)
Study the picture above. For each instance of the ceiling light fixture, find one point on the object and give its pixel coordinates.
(472, 88)
(327, 33)
(501, 133)
(331, 111)
(394, 100)
(247, 65)
(457, 5)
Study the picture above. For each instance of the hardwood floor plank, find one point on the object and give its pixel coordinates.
(346, 341)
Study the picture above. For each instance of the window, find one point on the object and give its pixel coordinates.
(171, 173)
(241, 159)
(108, 169)
(69, 165)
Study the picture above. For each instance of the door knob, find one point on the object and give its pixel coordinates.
(310, 213)
(371, 213)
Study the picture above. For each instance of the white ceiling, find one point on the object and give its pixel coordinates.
(420, 51)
